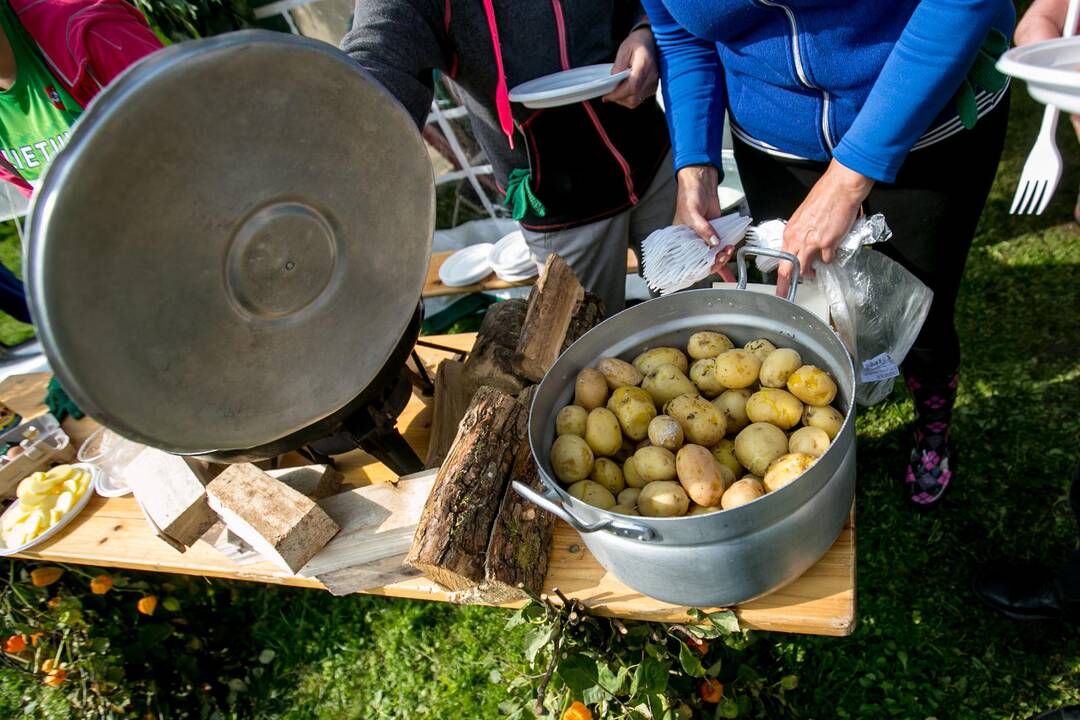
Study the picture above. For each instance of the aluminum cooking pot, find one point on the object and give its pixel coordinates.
(723, 558)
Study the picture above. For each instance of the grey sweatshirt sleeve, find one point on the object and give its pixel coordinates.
(400, 42)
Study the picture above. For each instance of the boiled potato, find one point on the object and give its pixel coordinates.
(571, 458)
(737, 368)
(649, 360)
(732, 403)
(635, 409)
(654, 463)
(590, 389)
(828, 419)
(628, 496)
(760, 348)
(623, 509)
(703, 375)
(758, 444)
(592, 493)
(667, 382)
(666, 432)
(663, 499)
(702, 510)
(778, 407)
(700, 475)
(602, 432)
(606, 472)
(784, 470)
(571, 421)
(724, 452)
(809, 441)
(631, 476)
(706, 344)
(777, 367)
(812, 385)
(642, 444)
(702, 422)
(742, 492)
(619, 373)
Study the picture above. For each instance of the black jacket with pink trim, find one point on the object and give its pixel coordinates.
(588, 161)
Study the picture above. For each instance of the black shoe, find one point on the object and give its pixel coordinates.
(1021, 591)
(1072, 712)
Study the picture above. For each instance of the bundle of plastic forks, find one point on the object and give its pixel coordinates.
(674, 258)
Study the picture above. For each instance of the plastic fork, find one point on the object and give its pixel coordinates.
(1042, 169)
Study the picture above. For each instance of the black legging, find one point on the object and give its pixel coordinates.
(933, 208)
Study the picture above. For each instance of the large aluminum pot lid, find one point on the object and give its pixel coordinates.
(232, 243)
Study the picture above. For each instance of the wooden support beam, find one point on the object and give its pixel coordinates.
(279, 523)
(452, 535)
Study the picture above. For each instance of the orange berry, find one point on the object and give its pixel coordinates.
(101, 584)
(55, 677)
(48, 664)
(15, 644)
(45, 576)
(711, 690)
(577, 711)
(700, 645)
(54, 602)
(147, 604)
(35, 637)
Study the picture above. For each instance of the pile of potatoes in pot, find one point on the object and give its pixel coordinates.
(688, 433)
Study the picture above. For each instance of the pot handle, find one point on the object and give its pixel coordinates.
(554, 505)
(740, 259)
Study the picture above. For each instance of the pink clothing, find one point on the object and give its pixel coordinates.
(86, 43)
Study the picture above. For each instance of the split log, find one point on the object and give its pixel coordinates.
(454, 390)
(517, 553)
(559, 312)
(170, 494)
(452, 536)
(279, 523)
(491, 361)
(315, 481)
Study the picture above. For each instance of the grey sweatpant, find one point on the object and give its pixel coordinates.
(597, 251)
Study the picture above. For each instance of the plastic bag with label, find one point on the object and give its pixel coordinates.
(876, 305)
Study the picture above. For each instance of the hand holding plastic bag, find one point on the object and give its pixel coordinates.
(876, 305)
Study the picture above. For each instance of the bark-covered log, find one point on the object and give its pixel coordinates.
(552, 303)
(587, 315)
(491, 361)
(452, 536)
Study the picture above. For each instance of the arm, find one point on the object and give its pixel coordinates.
(923, 71)
(400, 43)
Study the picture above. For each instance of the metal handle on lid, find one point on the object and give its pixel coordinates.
(740, 259)
(554, 505)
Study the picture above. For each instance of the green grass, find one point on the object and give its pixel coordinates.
(923, 647)
(12, 332)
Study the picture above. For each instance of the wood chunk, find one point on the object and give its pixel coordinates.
(178, 547)
(559, 312)
(454, 390)
(452, 535)
(170, 494)
(370, 576)
(491, 361)
(376, 521)
(517, 553)
(315, 481)
(279, 523)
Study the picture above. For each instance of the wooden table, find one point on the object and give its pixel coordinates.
(112, 533)
(434, 287)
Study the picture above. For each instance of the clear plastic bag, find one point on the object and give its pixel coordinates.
(876, 305)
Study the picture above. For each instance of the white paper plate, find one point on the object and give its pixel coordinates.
(568, 87)
(510, 255)
(64, 519)
(1051, 70)
(108, 486)
(467, 266)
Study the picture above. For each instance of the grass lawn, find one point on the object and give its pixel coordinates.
(923, 647)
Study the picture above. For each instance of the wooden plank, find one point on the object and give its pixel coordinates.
(433, 287)
(112, 533)
(171, 494)
(279, 523)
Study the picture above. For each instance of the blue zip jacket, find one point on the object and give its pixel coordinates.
(858, 80)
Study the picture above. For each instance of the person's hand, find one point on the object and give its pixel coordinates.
(1044, 20)
(638, 53)
(696, 204)
(822, 221)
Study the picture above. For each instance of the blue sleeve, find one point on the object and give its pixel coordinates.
(693, 88)
(920, 77)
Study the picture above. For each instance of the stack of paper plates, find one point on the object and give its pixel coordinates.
(467, 266)
(511, 259)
